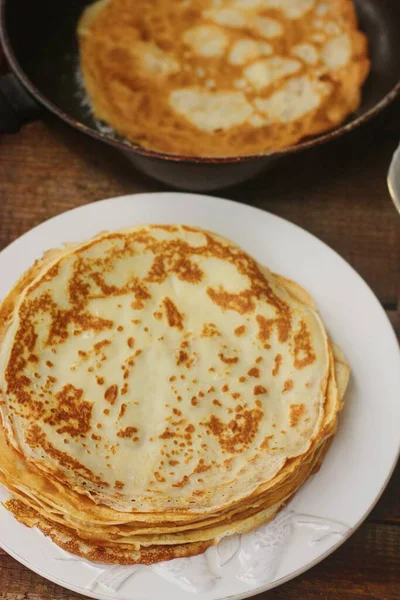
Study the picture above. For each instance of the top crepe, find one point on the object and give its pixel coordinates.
(161, 369)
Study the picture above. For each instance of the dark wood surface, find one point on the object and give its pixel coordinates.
(338, 193)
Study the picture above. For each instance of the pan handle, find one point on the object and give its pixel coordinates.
(17, 106)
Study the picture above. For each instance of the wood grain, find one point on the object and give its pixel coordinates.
(337, 192)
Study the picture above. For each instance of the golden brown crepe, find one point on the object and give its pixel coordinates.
(159, 391)
(222, 78)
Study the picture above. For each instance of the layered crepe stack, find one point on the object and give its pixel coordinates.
(160, 390)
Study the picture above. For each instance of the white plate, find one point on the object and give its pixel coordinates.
(334, 502)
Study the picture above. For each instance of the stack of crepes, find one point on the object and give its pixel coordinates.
(160, 390)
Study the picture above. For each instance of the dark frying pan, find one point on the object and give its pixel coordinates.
(39, 41)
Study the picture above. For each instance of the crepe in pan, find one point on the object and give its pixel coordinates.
(222, 78)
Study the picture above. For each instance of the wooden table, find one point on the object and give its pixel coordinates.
(338, 193)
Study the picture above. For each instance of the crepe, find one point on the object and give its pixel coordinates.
(222, 78)
(159, 391)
